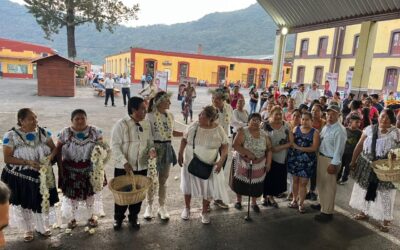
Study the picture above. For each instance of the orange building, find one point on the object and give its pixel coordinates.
(207, 68)
(16, 58)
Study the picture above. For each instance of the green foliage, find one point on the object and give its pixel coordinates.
(80, 72)
(52, 15)
(239, 33)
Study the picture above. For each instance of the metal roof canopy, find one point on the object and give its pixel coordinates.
(306, 15)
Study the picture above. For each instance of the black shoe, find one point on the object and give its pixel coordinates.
(308, 196)
(316, 206)
(117, 225)
(255, 208)
(313, 196)
(135, 224)
(323, 217)
(282, 195)
(238, 206)
(266, 203)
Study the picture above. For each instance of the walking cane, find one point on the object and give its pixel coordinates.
(247, 218)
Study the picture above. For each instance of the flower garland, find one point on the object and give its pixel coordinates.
(165, 133)
(47, 181)
(227, 115)
(99, 157)
(152, 174)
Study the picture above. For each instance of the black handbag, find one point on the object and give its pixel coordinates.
(197, 167)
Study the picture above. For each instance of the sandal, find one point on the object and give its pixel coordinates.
(45, 234)
(93, 222)
(360, 217)
(28, 236)
(293, 205)
(72, 224)
(384, 228)
(302, 209)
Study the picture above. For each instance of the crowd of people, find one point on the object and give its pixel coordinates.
(311, 141)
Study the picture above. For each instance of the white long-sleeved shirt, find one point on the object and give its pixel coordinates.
(333, 142)
(109, 83)
(313, 95)
(129, 145)
(299, 98)
(239, 119)
(125, 82)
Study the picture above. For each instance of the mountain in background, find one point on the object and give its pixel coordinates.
(238, 33)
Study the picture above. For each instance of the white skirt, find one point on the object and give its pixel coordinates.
(380, 209)
(213, 188)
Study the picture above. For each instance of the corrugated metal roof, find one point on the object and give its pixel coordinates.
(303, 15)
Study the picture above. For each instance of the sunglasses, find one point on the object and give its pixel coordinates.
(139, 127)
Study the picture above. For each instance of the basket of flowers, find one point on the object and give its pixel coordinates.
(129, 189)
(388, 169)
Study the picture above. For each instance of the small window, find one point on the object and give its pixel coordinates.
(322, 46)
(355, 44)
(395, 48)
(231, 66)
(392, 78)
(300, 74)
(318, 74)
(304, 48)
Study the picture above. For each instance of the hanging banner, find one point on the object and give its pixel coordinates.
(348, 82)
(331, 80)
(161, 80)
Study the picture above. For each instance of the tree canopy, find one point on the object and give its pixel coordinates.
(52, 15)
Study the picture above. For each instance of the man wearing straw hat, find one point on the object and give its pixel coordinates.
(130, 143)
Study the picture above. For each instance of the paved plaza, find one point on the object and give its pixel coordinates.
(282, 228)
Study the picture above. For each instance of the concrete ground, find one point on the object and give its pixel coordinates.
(274, 228)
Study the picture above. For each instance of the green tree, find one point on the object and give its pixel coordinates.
(52, 15)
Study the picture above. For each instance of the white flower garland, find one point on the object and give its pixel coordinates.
(165, 134)
(227, 115)
(47, 181)
(152, 174)
(99, 157)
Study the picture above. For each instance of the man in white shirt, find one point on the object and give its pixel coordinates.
(313, 93)
(333, 141)
(299, 97)
(109, 85)
(132, 146)
(125, 87)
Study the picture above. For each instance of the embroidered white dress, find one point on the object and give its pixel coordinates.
(25, 201)
(207, 144)
(383, 206)
(79, 201)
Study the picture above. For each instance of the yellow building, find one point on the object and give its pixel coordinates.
(211, 69)
(16, 58)
(334, 50)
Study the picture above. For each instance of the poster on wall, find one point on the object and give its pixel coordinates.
(331, 80)
(348, 82)
(161, 80)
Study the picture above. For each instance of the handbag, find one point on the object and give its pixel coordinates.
(197, 167)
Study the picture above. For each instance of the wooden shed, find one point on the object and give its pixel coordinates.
(56, 76)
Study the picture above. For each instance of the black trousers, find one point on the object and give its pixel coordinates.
(109, 93)
(134, 210)
(313, 182)
(345, 167)
(126, 92)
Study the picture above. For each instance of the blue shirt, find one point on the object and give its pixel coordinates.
(333, 141)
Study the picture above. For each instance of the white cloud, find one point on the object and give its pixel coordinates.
(179, 11)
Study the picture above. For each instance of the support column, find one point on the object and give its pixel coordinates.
(279, 56)
(364, 56)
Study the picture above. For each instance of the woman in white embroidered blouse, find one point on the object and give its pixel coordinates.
(210, 139)
(371, 196)
(75, 145)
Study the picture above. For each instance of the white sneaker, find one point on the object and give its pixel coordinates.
(205, 218)
(185, 213)
(162, 212)
(148, 214)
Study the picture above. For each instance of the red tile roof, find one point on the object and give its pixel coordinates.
(19, 46)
